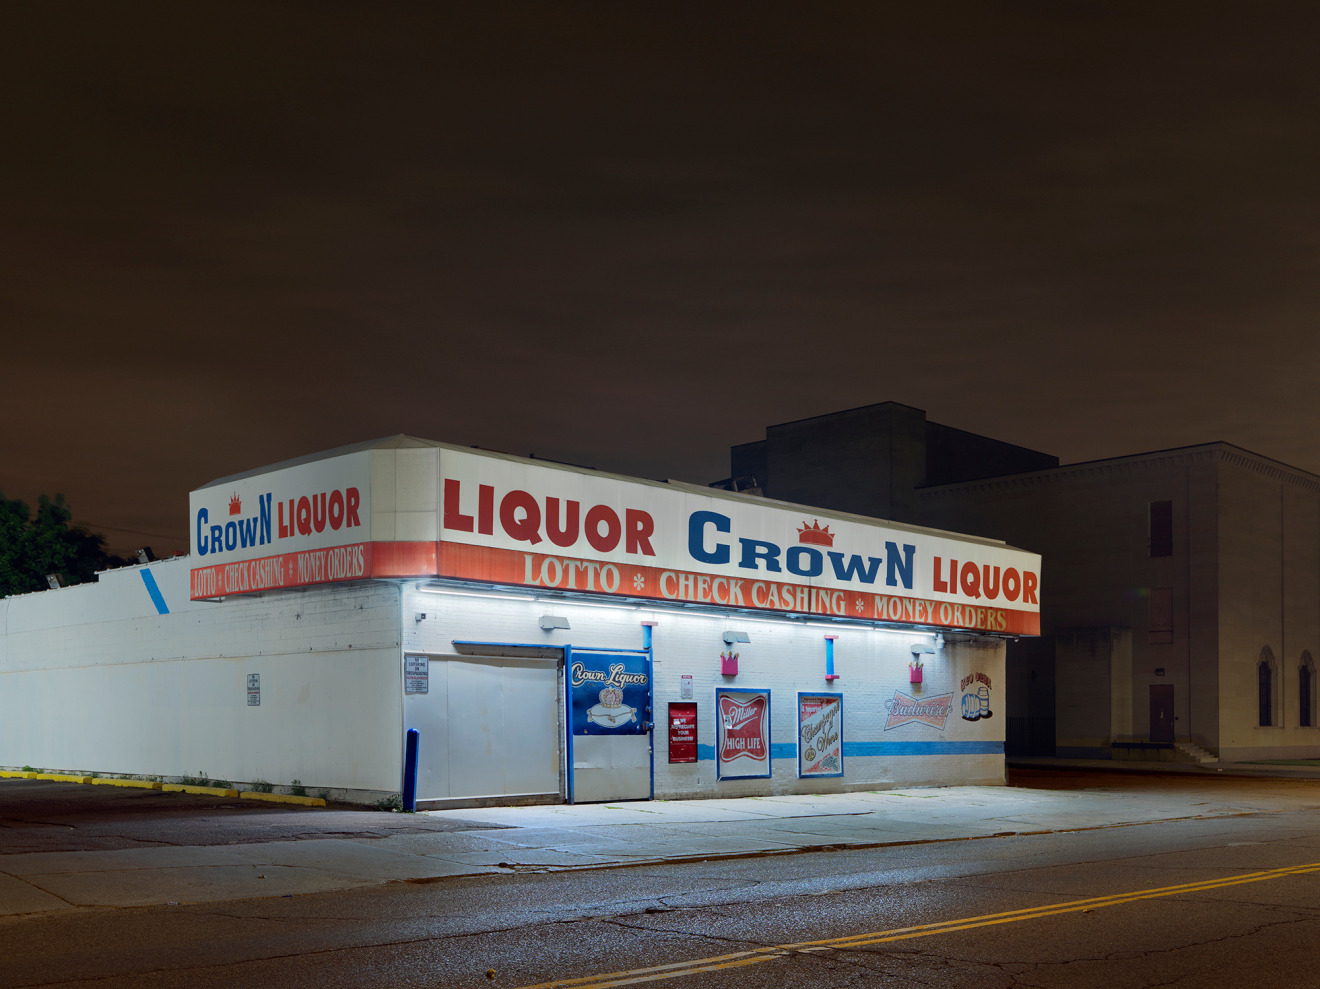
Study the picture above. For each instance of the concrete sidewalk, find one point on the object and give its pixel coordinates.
(542, 838)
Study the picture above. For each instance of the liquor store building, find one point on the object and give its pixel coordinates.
(551, 633)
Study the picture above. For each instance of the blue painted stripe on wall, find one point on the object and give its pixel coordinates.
(787, 750)
(153, 589)
(922, 748)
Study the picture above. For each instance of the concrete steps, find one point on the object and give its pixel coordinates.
(1191, 752)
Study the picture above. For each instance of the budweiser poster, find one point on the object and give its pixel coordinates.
(820, 735)
(906, 710)
(742, 724)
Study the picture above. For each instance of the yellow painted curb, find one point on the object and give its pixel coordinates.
(59, 777)
(14, 774)
(140, 784)
(283, 798)
(210, 791)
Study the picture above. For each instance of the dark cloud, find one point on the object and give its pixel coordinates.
(631, 235)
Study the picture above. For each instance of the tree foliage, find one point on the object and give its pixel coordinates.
(49, 542)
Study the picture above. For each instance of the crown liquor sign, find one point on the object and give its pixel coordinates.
(610, 692)
(501, 520)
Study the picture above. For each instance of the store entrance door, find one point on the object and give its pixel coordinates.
(609, 724)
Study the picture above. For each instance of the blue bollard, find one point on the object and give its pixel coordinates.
(410, 770)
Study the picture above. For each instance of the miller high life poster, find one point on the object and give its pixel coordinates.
(742, 729)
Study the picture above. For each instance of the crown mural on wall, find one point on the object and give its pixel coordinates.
(815, 534)
(235, 506)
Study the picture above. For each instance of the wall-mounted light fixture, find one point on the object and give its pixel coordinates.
(732, 636)
(551, 622)
(915, 667)
(420, 616)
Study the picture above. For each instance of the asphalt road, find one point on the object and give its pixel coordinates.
(988, 913)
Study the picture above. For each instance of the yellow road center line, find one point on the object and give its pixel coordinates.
(756, 956)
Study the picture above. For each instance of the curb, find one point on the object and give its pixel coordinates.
(209, 791)
(140, 784)
(282, 798)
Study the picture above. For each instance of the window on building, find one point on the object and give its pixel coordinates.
(1306, 691)
(1161, 528)
(1265, 685)
(1266, 693)
(1161, 614)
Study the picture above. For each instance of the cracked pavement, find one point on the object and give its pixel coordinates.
(67, 847)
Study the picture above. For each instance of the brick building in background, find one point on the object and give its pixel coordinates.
(1181, 601)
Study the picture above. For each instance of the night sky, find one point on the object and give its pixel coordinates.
(630, 235)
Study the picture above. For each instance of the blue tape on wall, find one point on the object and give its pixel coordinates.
(787, 750)
(922, 748)
(153, 589)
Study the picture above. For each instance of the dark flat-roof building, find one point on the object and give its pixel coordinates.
(1180, 602)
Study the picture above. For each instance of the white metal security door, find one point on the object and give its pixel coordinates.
(609, 725)
(489, 728)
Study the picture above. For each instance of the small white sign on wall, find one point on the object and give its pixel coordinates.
(685, 687)
(416, 676)
(254, 689)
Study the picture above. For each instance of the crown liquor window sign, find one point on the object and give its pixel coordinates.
(610, 692)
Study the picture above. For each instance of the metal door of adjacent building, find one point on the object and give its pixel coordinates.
(1161, 713)
(609, 701)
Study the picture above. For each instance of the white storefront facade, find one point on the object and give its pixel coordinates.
(551, 633)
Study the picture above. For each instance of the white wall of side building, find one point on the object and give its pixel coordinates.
(93, 678)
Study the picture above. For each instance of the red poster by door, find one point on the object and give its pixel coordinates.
(682, 732)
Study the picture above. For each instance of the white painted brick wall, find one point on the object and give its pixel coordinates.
(93, 679)
(784, 656)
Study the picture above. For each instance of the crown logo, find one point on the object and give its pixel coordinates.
(235, 506)
(611, 697)
(815, 534)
